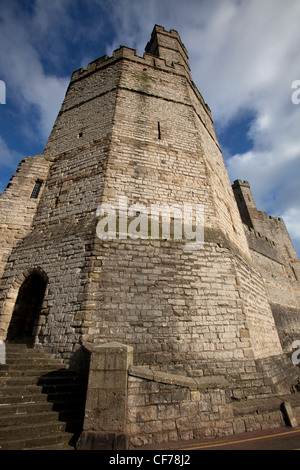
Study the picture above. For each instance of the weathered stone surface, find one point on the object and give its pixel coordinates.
(137, 127)
(276, 258)
(91, 440)
(106, 401)
(176, 307)
(289, 414)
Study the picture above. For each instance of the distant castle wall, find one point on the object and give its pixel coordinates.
(274, 254)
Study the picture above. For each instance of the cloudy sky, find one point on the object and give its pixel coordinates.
(244, 56)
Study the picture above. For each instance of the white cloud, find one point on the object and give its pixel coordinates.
(23, 71)
(8, 158)
(291, 217)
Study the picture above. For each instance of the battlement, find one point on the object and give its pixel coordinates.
(167, 45)
(247, 206)
(124, 52)
(259, 235)
(263, 215)
(275, 219)
(175, 61)
(262, 244)
(244, 183)
(155, 54)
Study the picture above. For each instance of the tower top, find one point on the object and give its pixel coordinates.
(167, 45)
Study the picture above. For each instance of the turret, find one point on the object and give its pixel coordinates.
(167, 45)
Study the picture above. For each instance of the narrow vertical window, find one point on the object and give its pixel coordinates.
(36, 189)
(294, 272)
(158, 129)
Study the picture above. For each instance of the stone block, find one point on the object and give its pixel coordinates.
(288, 414)
(91, 440)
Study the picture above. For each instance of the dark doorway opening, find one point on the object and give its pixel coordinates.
(27, 309)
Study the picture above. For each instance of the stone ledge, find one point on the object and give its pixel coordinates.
(257, 405)
(216, 381)
(203, 383)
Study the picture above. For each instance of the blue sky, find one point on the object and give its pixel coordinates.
(244, 56)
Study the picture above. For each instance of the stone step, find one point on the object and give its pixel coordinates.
(41, 401)
(22, 408)
(15, 388)
(36, 397)
(44, 428)
(30, 355)
(24, 361)
(62, 446)
(47, 383)
(32, 394)
(64, 381)
(60, 441)
(67, 421)
(17, 407)
(27, 417)
(21, 398)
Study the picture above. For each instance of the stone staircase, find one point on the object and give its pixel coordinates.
(264, 413)
(41, 401)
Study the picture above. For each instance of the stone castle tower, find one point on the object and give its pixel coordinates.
(276, 258)
(138, 128)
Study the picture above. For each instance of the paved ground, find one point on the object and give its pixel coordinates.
(263, 440)
(271, 439)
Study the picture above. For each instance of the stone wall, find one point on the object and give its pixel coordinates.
(276, 258)
(175, 307)
(287, 321)
(137, 127)
(164, 407)
(271, 248)
(116, 135)
(131, 406)
(59, 244)
(179, 309)
(17, 208)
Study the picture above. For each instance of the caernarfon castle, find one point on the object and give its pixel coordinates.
(176, 343)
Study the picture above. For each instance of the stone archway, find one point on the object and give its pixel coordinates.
(27, 308)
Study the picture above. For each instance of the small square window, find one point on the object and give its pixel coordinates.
(36, 189)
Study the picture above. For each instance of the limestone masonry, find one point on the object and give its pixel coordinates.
(199, 329)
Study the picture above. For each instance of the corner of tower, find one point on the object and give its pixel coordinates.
(167, 45)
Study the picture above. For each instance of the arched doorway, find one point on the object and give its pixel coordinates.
(27, 308)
